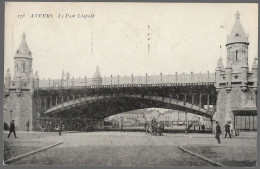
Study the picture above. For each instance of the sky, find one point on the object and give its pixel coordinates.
(184, 37)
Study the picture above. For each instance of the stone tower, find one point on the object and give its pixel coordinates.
(235, 84)
(20, 89)
(97, 79)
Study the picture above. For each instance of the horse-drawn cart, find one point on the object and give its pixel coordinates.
(154, 128)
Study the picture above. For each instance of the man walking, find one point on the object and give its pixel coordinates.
(12, 129)
(227, 129)
(203, 128)
(218, 132)
(28, 125)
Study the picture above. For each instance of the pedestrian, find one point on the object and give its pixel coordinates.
(60, 127)
(218, 132)
(203, 128)
(227, 129)
(12, 129)
(28, 125)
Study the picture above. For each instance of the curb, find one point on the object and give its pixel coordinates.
(30, 153)
(201, 157)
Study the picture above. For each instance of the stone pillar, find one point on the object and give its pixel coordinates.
(208, 101)
(200, 104)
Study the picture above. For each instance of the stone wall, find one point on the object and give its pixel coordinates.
(19, 109)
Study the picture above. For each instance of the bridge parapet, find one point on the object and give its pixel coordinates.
(132, 80)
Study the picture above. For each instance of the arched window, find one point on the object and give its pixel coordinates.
(236, 55)
(16, 67)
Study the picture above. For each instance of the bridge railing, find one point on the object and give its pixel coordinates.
(130, 80)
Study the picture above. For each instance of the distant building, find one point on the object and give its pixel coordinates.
(97, 79)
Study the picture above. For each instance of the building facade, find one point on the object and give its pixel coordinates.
(235, 84)
(19, 89)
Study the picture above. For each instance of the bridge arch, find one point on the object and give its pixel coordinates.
(104, 106)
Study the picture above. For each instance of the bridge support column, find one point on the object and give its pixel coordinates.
(208, 102)
(185, 97)
(192, 99)
(200, 100)
(45, 104)
(186, 122)
(50, 102)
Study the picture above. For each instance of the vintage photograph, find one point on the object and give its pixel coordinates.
(130, 84)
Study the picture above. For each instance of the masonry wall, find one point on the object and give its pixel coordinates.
(226, 102)
(19, 109)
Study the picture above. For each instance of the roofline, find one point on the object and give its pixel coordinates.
(23, 57)
(237, 42)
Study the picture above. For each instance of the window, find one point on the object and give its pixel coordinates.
(236, 55)
(16, 67)
(23, 67)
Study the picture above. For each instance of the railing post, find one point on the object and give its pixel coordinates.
(62, 100)
(118, 80)
(50, 102)
(56, 101)
(85, 80)
(132, 79)
(111, 80)
(161, 78)
(208, 76)
(146, 78)
(191, 77)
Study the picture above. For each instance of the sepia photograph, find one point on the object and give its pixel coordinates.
(134, 84)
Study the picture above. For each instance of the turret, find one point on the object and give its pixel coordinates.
(237, 56)
(23, 60)
(31, 83)
(254, 72)
(219, 69)
(97, 79)
(7, 81)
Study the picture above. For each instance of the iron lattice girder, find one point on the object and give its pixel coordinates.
(141, 101)
(46, 99)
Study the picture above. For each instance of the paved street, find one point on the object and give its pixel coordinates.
(127, 149)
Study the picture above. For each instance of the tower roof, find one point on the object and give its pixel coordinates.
(237, 34)
(23, 50)
(97, 74)
(220, 65)
(255, 64)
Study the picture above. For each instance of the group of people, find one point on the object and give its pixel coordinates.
(228, 130)
(154, 128)
(12, 128)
